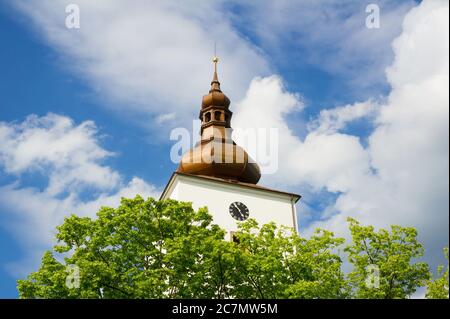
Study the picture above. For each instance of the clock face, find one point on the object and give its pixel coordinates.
(239, 211)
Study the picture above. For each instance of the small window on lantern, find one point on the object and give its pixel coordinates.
(217, 115)
(207, 117)
(234, 236)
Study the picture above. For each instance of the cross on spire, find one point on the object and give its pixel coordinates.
(215, 84)
(215, 60)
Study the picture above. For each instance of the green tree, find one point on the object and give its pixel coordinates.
(384, 262)
(142, 249)
(275, 262)
(165, 249)
(438, 288)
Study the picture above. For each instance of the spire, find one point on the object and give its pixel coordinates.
(215, 84)
(216, 154)
(215, 96)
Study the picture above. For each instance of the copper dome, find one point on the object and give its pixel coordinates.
(217, 154)
(215, 96)
(213, 159)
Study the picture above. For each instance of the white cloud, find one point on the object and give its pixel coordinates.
(401, 175)
(71, 160)
(318, 160)
(53, 143)
(151, 57)
(164, 118)
(333, 120)
(331, 36)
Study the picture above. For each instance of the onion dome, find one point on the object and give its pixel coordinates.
(217, 154)
(215, 96)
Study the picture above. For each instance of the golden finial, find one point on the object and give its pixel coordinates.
(215, 59)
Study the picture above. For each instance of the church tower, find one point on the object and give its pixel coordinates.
(219, 174)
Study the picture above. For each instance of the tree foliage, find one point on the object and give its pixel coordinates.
(438, 288)
(165, 249)
(389, 256)
(275, 262)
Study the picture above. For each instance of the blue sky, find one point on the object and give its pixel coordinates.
(106, 96)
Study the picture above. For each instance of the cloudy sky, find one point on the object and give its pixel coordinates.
(86, 113)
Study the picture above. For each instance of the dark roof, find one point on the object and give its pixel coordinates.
(233, 182)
